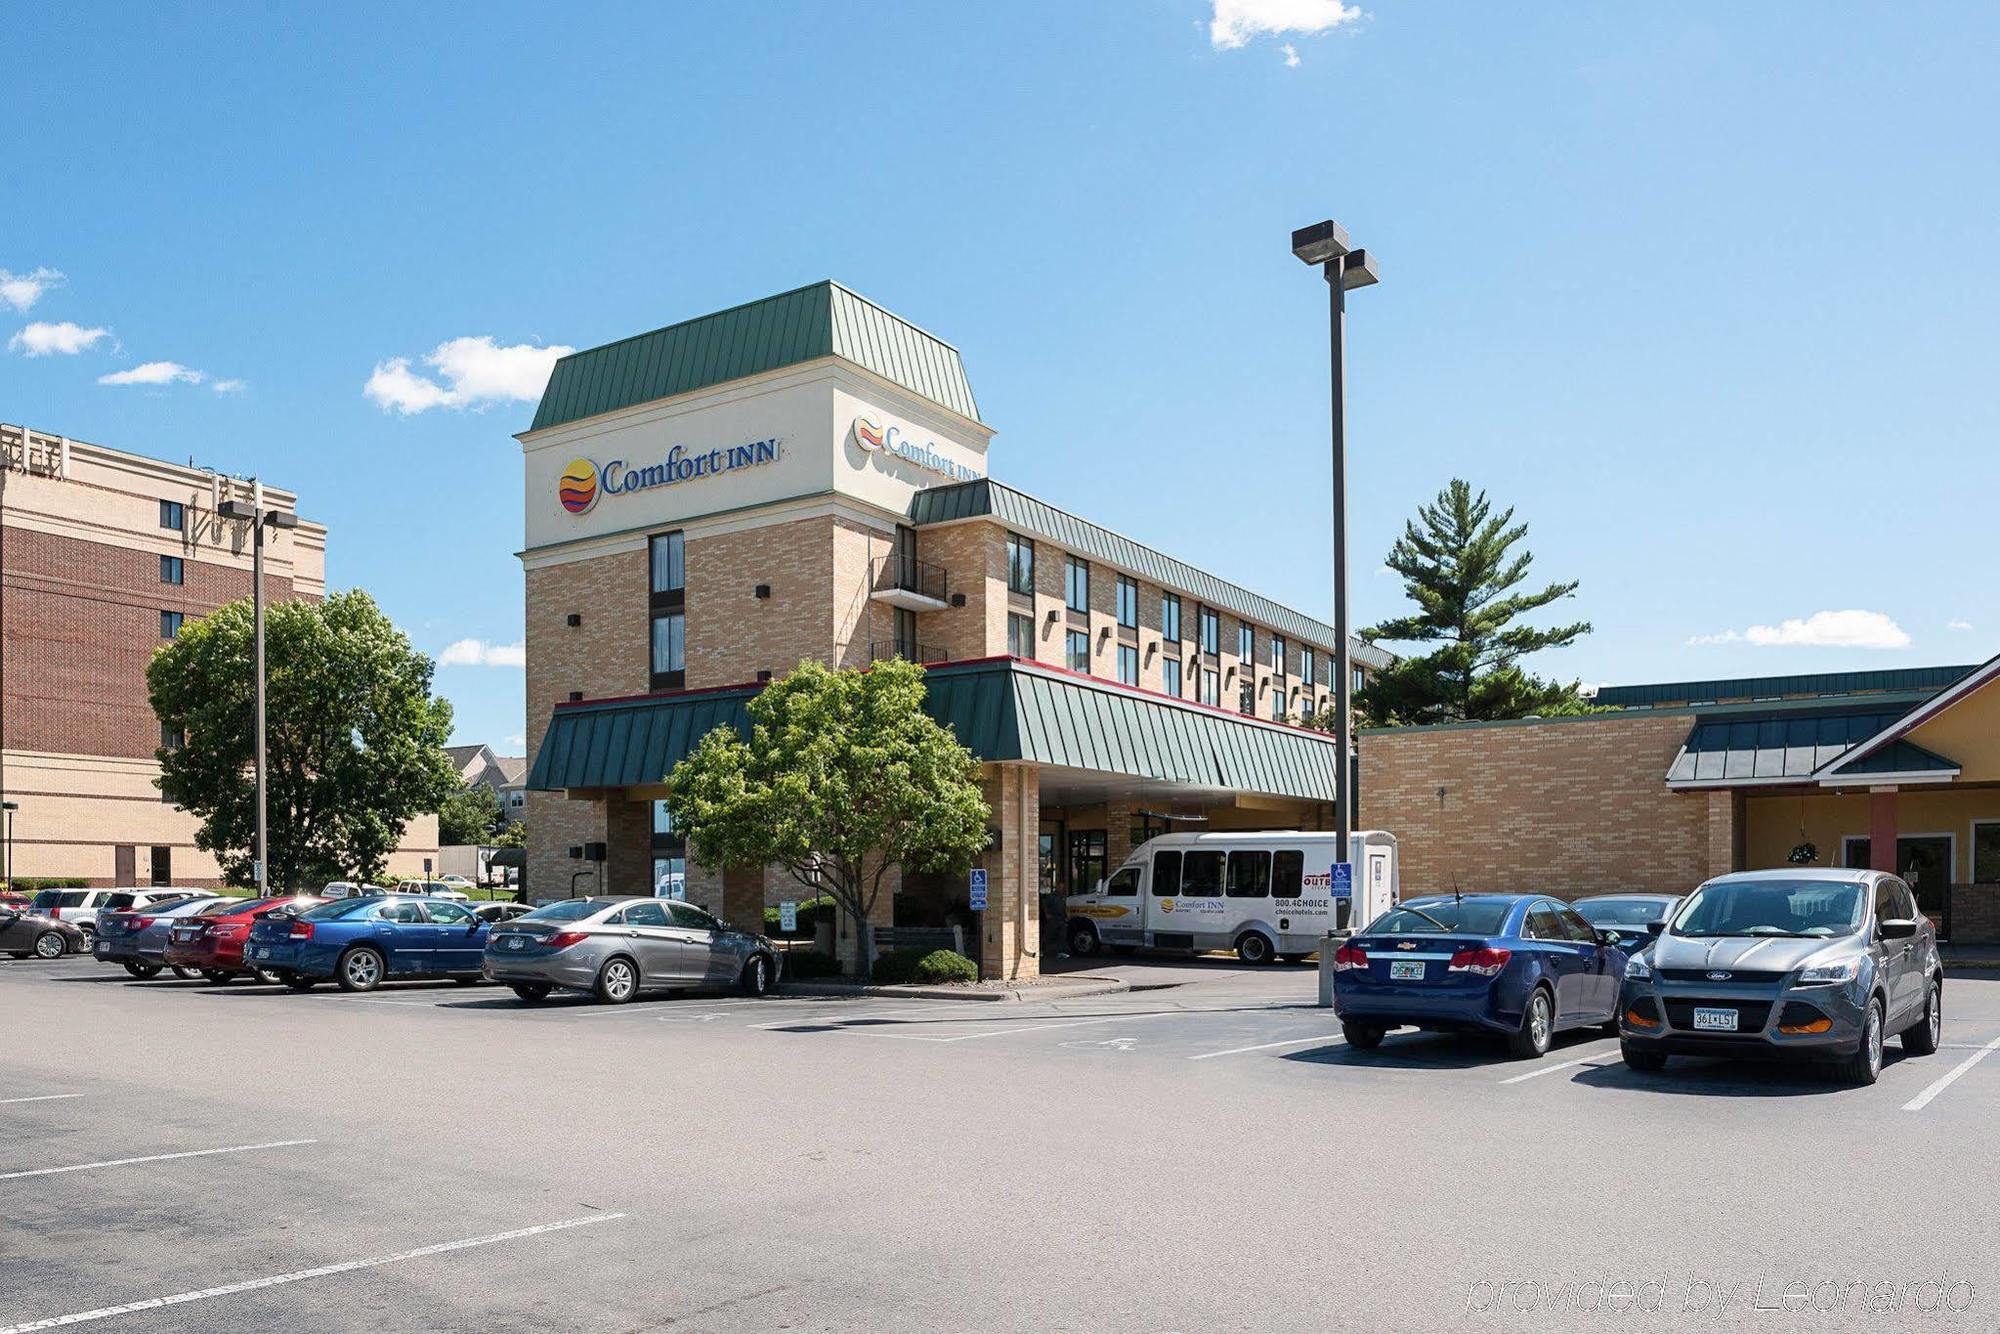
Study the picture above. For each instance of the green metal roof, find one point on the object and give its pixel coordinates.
(1775, 747)
(824, 319)
(1898, 757)
(1764, 687)
(999, 710)
(1038, 518)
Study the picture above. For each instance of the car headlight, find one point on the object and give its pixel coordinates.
(1827, 974)
(1637, 969)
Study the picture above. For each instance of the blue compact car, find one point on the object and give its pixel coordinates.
(361, 943)
(1518, 965)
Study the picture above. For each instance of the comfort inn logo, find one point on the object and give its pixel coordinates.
(879, 439)
(869, 434)
(577, 487)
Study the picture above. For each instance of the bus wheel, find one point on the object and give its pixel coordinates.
(1253, 949)
(1083, 940)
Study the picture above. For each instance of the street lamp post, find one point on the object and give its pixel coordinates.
(259, 518)
(8, 808)
(1345, 268)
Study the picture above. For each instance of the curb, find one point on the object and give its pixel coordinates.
(1952, 965)
(1095, 986)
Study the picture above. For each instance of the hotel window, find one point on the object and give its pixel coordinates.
(1986, 852)
(170, 624)
(669, 655)
(172, 571)
(1211, 687)
(1020, 635)
(172, 738)
(1079, 651)
(1278, 654)
(1211, 630)
(1128, 664)
(668, 557)
(173, 515)
(1246, 643)
(1277, 704)
(1128, 603)
(1020, 564)
(1076, 584)
(1307, 665)
(1170, 676)
(1170, 618)
(1359, 680)
(1246, 698)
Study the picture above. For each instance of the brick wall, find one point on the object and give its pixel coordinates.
(1567, 807)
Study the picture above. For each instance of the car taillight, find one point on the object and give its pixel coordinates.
(1485, 961)
(562, 940)
(301, 931)
(229, 930)
(1349, 956)
(137, 923)
(55, 914)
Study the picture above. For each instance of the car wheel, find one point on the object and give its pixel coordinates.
(1253, 949)
(617, 981)
(1083, 941)
(299, 981)
(1865, 1066)
(264, 975)
(756, 979)
(360, 969)
(221, 977)
(1362, 1037)
(531, 991)
(187, 974)
(1924, 1037)
(142, 971)
(50, 945)
(1538, 1026)
(1638, 1058)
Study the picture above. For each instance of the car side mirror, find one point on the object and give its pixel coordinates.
(1897, 928)
(1605, 936)
(1654, 928)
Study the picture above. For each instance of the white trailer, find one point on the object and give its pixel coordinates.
(1265, 895)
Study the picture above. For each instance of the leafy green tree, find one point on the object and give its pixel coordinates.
(844, 777)
(1459, 566)
(355, 738)
(469, 815)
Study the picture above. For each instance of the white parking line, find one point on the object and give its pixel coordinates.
(1266, 1046)
(1944, 1081)
(39, 1097)
(152, 1158)
(1000, 1032)
(1560, 1065)
(298, 1275)
(838, 1017)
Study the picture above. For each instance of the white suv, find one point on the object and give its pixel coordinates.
(79, 907)
(436, 889)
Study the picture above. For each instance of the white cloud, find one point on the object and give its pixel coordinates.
(21, 290)
(1823, 629)
(1235, 22)
(516, 743)
(471, 373)
(41, 340)
(1958, 623)
(1291, 55)
(154, 372)
(479, 653)
(229, 386)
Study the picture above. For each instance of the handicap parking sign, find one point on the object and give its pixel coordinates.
(1343, 880)
(979, 889)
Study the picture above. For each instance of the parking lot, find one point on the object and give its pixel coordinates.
(1203, 1155)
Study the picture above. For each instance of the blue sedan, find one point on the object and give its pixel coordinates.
(1519, 965)
(361, 943)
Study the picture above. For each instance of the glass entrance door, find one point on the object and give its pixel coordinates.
(1925, 861)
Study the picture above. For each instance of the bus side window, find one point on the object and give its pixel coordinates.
(1249, 875)
(1201, 875)
(1124, 885)
(1166, 874)
(1288, 872)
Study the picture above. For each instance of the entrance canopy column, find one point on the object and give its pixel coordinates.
(1882, 829)
(1010, 928)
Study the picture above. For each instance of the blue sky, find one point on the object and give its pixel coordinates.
(1705, 291)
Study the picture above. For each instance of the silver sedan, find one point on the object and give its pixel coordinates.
(615, 948)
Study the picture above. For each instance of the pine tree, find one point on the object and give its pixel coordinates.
(1458, 566)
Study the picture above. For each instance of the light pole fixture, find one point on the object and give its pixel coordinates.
(1345, 268)
(253, 513)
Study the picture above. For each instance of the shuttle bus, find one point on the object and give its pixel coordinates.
(1265, 895)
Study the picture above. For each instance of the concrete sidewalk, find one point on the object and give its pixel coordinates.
(1047, 989)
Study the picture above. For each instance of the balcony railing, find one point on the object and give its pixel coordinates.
(906, 575)
(907, 649)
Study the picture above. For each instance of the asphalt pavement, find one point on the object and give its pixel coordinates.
(1201, 1154)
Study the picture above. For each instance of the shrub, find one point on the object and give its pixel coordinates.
(945, 966)
(807, 964)
(897, 966)
(28, 884)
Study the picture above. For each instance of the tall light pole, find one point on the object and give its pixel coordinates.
(1345, 268)
(253, 512)
(8, 808)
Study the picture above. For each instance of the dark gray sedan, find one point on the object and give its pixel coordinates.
(615, 948)
(25, 935)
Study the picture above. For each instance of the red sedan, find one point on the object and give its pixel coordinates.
(213, 946)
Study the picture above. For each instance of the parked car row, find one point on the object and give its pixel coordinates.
(1785, 964)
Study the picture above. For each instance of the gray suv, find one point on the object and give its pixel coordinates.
(616, 947)
(1789, 963)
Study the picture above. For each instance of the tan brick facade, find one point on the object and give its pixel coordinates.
(1568, 806)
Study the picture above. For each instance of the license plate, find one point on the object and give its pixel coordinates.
(261, 952)
(516, 943)
(103, 947)
(1719, 1020)
(1406, 970)
(185, 935)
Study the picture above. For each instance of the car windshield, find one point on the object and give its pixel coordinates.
(56, 898)
(1621, 912)
(566, 910)
(1810, 908)
(222, 907)
(334, 909)
(1477, 917)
